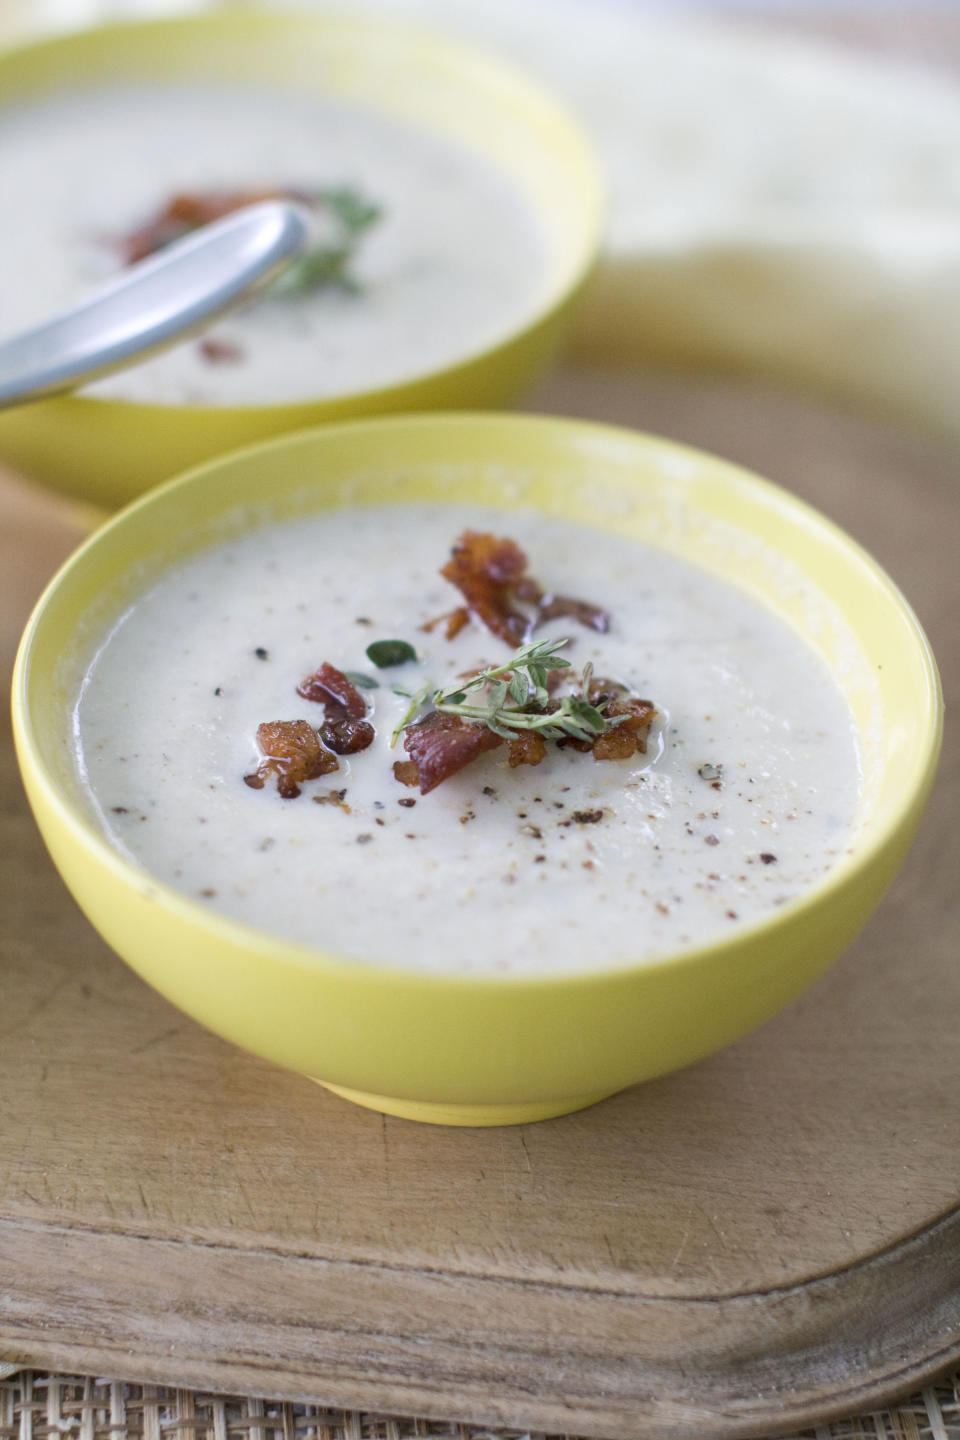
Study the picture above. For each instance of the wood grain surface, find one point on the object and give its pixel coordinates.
(766, 1239)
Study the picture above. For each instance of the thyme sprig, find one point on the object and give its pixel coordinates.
(413, 709)
(523, 680)
(351, 214)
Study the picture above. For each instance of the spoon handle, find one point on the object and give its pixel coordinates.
(155, 303)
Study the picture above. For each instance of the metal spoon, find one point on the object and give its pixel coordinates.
(155, 303)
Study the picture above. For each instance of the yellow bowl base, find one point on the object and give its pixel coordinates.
(436, 1113)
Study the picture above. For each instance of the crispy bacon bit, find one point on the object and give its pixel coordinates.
(293, 753)
(188, 211)
(553, 607)
(344, 729)
(454, 621)
(335, 798)
(630, 735)
(221, 352)
(440, 745)
(618, 744)
(407, 773)
(486, 571)
(526, 748)
(347, 736)
(328, 683)
(490, 573)
(583, 747)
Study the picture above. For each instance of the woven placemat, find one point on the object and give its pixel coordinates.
(39, 1406)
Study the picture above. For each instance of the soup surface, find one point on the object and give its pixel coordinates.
(746, 795)
(454, 259)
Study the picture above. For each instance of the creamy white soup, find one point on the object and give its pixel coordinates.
(745, 796)
(451, 258)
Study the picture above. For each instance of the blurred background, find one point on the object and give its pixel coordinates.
(784, 177)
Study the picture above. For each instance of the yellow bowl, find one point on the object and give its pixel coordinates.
(486, 1050)
(108, 451)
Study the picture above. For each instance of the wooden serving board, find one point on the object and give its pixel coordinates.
(767, 1239)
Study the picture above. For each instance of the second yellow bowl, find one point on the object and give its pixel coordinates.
(107, 451)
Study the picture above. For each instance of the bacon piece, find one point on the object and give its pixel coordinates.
(440, 745)
(406, 772)
(221, 352)
(526, 748)
(189, 210)
(347, 736)
(630, 736)
(455, 621)
(553, 607)
(490, 573)
(293, 753)
(344, 729)
(617, 744)
(486, 570)
(572, 743)
(328, 683)
(335, 798)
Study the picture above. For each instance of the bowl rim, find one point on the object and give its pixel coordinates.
(246, 937)
(581, 161)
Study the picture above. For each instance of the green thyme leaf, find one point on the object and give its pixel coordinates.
(354, 211)
(586, 713)
(350, 214)
(411, 712)
(537, 657)
(384, 653)
(497, 697)
(365, 682)
(324, 265)
(519, 687)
